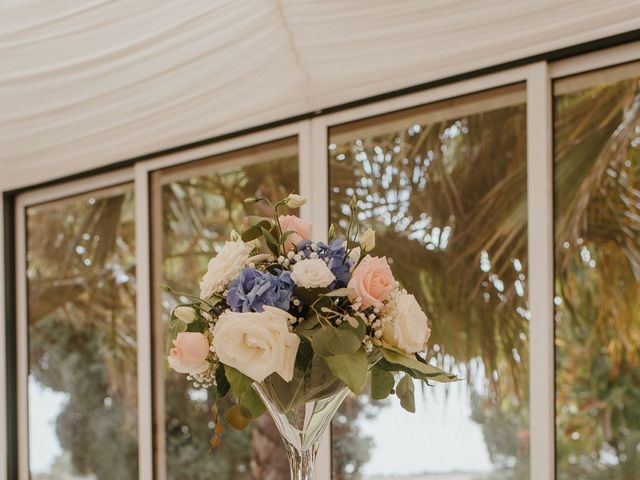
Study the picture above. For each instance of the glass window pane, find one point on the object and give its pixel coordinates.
(82, 337)
(597, 278)
(196, 207)
(444, 187)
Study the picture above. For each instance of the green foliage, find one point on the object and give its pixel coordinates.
(382, 383)
(330, 341)
(239, 382)
(414, 366)
(351, 369)
(222, 384)
(255, 231)
(405, 392)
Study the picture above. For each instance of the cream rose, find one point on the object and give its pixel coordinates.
(185, 314)
(312, 273)
(407, 329)
(372, 282)
(223, 267)
(257, 343)
(189, 353)
(301, 230)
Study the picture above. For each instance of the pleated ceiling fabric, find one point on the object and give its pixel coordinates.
(87, 83)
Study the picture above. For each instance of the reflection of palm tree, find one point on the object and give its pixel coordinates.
(448, 203)
(598, 279)
(82, 326)
(442, 194)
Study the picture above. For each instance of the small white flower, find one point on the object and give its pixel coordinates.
(185, 314)
(295, 201)
(368, 240)
(312, 273)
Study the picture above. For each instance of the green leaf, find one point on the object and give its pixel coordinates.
(284, 236)
(238, 382)
(335, 341)
(199, 326)
(382, 383)
(252, 402)
(351, 369)
(405, 392)
(309, 327)
(238, 417)
(222, 384)
(255, 231)
(360, 331)
(414, 367)
(272, 243)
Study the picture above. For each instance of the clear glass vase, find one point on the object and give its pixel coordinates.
(302, 410)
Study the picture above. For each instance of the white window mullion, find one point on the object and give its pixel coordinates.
(314, 183)
(143, 319)
(540, 240)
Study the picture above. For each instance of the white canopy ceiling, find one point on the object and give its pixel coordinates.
(84, 84)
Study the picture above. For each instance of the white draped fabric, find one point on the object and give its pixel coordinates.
(88, 83)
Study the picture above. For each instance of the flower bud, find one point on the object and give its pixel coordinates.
(185, 314)
(368, 240)
(295, 201)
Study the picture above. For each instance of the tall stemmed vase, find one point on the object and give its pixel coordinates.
(302, 410)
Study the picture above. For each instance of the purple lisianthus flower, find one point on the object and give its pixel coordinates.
(252, 289)
(334, 254)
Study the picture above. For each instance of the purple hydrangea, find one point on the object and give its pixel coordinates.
(334, 254)
(252, 289)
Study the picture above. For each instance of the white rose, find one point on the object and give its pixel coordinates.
(185, 314)
(223, 267)
(312, 273)
(368, 240)
(407, 330)
(257, 343)
(295, 201)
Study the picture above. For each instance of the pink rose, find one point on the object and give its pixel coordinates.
(372, 282)
(189, 353)
(301, 230)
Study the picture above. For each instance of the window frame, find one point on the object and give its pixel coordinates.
(23, 201)
(540, 240)
(153, 452)
(312, 135)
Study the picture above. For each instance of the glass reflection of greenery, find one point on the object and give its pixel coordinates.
(597, 283)
(82, 331)
(444, 186)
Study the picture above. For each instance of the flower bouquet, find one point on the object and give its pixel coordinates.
(292, 325)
